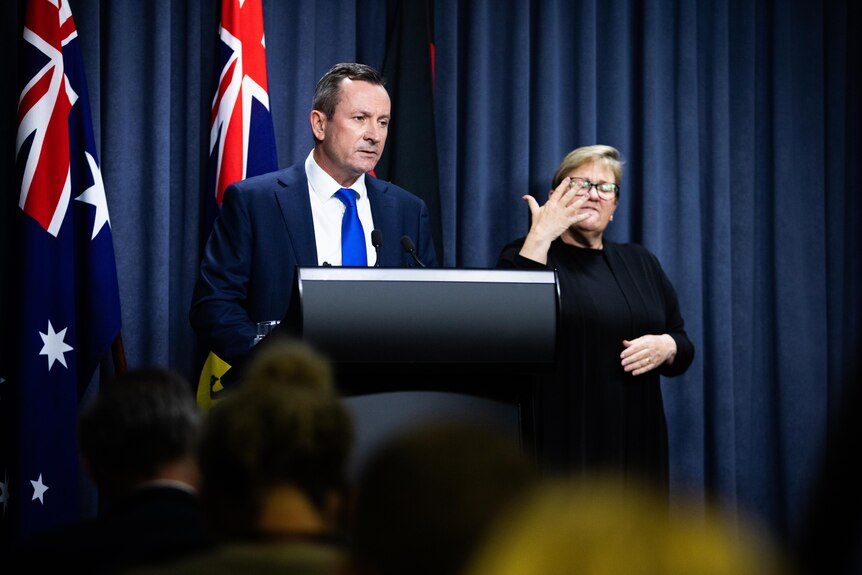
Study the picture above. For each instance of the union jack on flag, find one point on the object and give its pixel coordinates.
(68, 308)
(242, 137)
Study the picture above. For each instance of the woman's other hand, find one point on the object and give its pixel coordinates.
(647, 352)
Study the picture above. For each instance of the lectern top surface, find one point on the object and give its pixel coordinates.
(427, 275)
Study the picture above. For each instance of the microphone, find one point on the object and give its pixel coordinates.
(408, 246)
(376, 240)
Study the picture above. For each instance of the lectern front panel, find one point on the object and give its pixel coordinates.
(361, 315)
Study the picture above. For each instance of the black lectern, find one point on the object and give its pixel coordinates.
(486, 333)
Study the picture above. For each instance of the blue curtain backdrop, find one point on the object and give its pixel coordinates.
(739, 121)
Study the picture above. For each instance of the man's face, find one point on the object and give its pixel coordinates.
(351, 141)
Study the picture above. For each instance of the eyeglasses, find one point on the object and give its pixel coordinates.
(605, 190)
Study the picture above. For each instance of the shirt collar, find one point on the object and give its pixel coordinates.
(324, 186)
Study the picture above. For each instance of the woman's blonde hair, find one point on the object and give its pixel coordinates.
(607, 155)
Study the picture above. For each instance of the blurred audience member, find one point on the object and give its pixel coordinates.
(426, 499)
(281, 360)
(273, 457)
(138, 441)
(604, 527)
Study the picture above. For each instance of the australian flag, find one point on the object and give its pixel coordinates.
(242, 136)
(68, 309)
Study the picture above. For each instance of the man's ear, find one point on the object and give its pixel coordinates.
(318, 124)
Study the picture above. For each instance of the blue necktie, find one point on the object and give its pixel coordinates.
(352, 235)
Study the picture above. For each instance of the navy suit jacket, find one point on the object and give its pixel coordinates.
(144, 528)
(264, 231)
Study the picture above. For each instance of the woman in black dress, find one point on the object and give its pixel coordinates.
(621, 327)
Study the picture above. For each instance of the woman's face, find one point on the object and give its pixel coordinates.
(599, 210)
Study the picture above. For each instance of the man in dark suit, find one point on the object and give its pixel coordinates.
(271, 224)
(138, 440)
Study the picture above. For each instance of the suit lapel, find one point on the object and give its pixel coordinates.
(385, 213)
(292, 198)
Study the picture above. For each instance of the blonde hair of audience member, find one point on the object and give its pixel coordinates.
(274, 453)
(288, 361)
(601, 527)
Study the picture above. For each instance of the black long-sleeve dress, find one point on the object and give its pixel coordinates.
(593, 416)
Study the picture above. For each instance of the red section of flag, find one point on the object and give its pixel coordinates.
(433, 55)
(246, 24)
(243, 78)
(43, 113)
(49, 178)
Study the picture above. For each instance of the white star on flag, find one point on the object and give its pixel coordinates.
(95, 196)
(54, 346)
(39, 489)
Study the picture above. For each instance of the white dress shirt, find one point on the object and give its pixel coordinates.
(328, 211)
